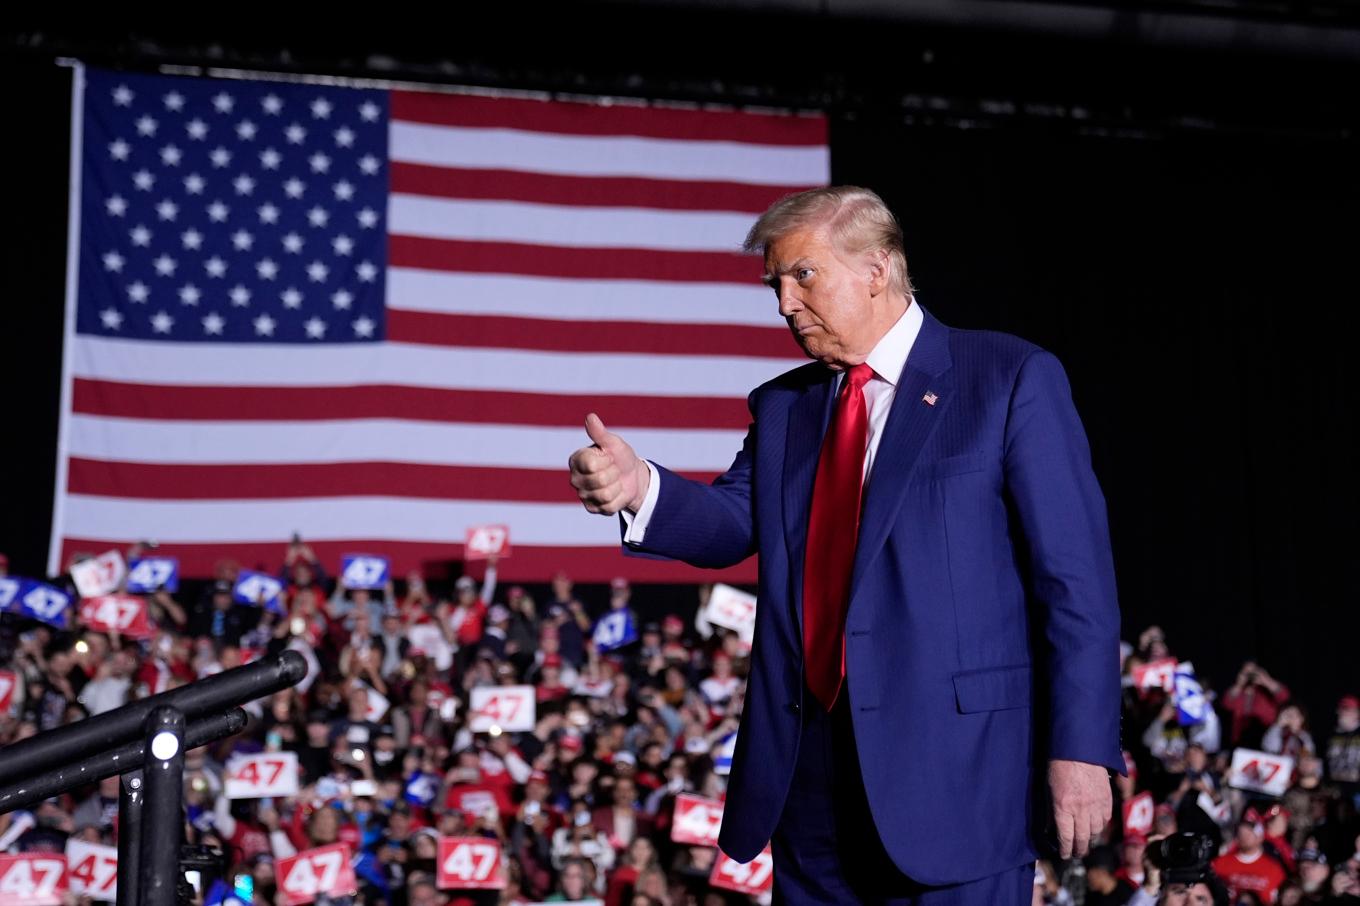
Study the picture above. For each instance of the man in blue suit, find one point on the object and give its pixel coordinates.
(934, 678)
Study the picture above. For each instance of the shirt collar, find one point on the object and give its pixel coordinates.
(889, 356)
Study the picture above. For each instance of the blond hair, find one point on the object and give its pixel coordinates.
(856, 218)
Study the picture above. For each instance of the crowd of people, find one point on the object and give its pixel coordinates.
(582, 805)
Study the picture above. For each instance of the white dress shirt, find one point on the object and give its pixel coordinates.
(887, 359)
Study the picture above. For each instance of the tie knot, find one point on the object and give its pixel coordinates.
(859, 374)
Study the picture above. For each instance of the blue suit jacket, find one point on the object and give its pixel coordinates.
(983, 631)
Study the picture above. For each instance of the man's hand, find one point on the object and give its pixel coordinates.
(1081, 804)
(608, 476)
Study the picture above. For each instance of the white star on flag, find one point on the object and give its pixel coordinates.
(167, 210)
(369, 164)
(366, 271)
(122, 96)
(342, 298)
(264, 326)
(245, 130)
(318, 272)
(165, 265)
(119, 150)
(212, 323)
(112, 318)
(344, 190)
(220, 157)
(291, 298)
(146, 126)
(295, 134)
(116, 205)
(243, 184)
(242, 241)
(170, 156)
(320, 163)
(270, 159)
(342, 244)
(368, 218)
(174, 101)
(316, 328)
(217, 212)
(144, 180)
(138, 292)
(268, 213)
(317, 217)
(215, 266)
(193, 184)
(369, 111)
(197, 129)
(344, 137)
(113, 262)
(192, 239)
(140, 236)
(292, 243)
(223, 102)
(240, 296)
(363, 327)
(321, 108)
(267, 269)
(162, 322)
(271, 103)
(189, 294)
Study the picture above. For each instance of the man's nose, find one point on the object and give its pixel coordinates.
(789, 302)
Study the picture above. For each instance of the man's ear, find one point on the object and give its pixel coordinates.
(880, 272)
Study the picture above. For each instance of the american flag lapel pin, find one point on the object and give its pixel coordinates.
(930, 398)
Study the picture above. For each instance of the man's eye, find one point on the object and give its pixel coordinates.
(802, 273)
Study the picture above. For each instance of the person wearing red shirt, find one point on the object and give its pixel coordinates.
(1254, 701)
(1249, 867)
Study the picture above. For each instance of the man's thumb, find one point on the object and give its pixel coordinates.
(599, 435)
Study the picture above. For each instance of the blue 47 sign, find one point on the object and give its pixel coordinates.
(38, 600)
(258, 589)
(150, 574)
(614, 630)
(364, 571)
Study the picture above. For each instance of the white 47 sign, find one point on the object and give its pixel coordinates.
(93, 869)
(754, 878)
(469, 863)
(325, 870)
(1260, 772)
(261, 775)
(511, 708)
(32, 879)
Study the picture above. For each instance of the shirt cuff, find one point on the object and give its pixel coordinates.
(637, 524)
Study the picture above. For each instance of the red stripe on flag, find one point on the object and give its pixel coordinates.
(436, 329)
(559, 261)
(146, 481)
(585, 191)
(437, 561)
(574, 118)
(153, 401)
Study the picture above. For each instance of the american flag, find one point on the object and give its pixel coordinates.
(377, 317)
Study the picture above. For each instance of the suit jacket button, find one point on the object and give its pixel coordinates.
(794, 708)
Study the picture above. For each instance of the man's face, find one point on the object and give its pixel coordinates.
(1188, 895)
(825, 296)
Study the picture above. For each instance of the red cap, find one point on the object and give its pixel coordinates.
(673, 620)
(552, 660)
(1347, 701)
(4, 561)
(722, 656)
(571, 741)
(618, 582)
(538, 777)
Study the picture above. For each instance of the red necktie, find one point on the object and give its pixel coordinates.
(833, 530)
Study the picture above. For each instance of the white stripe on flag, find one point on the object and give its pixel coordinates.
(566, 225)
(610, 155)
(417, 365)
(501, 295)
(385, 440)
(336, 518)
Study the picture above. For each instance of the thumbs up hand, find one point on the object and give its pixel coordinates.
(607, 475)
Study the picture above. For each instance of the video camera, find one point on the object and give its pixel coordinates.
(1183, 858)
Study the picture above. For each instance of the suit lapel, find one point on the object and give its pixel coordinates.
(911, 420)
(808, 419)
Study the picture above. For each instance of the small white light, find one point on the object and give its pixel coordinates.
(164, 745)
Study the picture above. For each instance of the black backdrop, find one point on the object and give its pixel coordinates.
(1180, 228)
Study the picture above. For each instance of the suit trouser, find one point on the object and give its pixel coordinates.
(826, 848)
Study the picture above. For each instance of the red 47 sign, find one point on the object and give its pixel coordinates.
(7, 681)
(469, 863)
(93, 869)
(754, 878)
(123, 614)
(696, 820)
(1260, 772)
(261, 775)
(32, 879)
(325, 870)
(485, 540)
(1138, 814)
(512, 708)
(1159, 674)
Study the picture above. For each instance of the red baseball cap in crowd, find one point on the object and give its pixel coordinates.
(672, 622)
(571, 741)
(4, 561)
(538, 777)
(1346, 702)
(552, 660)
